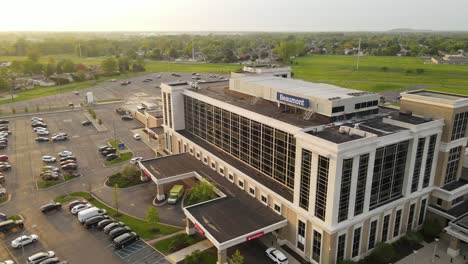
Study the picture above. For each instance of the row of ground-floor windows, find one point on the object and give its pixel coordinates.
(357, 233)
(316, 240)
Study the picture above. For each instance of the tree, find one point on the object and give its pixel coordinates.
(124, 63)
(156, 54)
(194, 258)
(236, 258)
(116, 197)
(51, 67)
(201, 192)
(173, 53)
(152, 216)
(129, 171)
(4, 80)
(109, 66)
(286, 49)
(34, 55)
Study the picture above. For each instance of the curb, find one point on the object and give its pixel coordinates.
(56, 185)
(158, 205)
(99, 128)
(9, 199)
(124, 188)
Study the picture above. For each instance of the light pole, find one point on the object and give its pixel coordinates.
(414, 256)
(435, 250)
(22, 245)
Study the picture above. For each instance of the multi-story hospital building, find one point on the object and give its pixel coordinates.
(324, 169)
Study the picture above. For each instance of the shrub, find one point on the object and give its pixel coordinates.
(414, 237)
(26, 109)
(409, 71)
(178, 242)
(194, 258)
(201, 192)
(384, 68)
(37, 108)
(382, 254)
(346, 261)
(431, 229)
(93, 115)
(130, 171)
(100, 121)
(13, 110)
(419, 71)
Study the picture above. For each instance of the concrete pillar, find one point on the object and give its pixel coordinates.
(222, 256)
(160, 192)
(190, 228)
(453, 249)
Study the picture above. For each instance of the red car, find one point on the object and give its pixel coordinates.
(3, 158)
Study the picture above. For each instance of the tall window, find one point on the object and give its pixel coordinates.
(361, 184)
(422, 211)
(316, 246)
(389, 172)
(164, 101)
(340, 251)
(452, 164)
(345, 189)
(305, 179)
(262, 147)
(417, 164)
(429, 160)
(459, 125)
(356, 242)
(410, 218)
(301, 233)
(321, 188)
(385, 226)
(396, 227)
(169, 109)
(372, 234)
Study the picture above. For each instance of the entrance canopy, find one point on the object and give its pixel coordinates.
(232, 218)
(459, 228)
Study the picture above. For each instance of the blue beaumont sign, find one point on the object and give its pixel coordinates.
(290, 99)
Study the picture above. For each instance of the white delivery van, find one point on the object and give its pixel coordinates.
(90, 212)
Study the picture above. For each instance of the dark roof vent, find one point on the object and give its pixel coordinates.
(406, 113)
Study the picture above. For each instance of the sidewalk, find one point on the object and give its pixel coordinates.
(425, 254)
(165, 237)
(180, 255)
(269, 241)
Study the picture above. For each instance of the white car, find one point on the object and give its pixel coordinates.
(135, 160)
(137, 136)
(276, 256)
(42, 133)
(37, 119)
(76, 209)
(7, 262)
(50, 168)
(37, 129)
(23, 241)
(49, 159)
(65, 153)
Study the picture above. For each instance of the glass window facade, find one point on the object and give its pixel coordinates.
(301, 233)
(321, 187)
(316, 246)
(345, 189)
(361, 184)
(356, 242)
(422, 212)
(264, 148)
(372, 234)
(429, 160)
(396, 227)
(389, 172)
(385, 226)
(417, 164)
(304, 188)
(409, 225)
(164, 101)
(340, 250)
(169, 109)
(459, 126)
(452, 164)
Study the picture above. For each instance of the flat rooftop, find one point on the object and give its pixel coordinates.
(439, 95)
(263, 179)
(303, 88)
(226, 218)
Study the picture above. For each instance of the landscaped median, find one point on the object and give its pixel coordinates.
(176, 243)
(142, 227)
(123, 155)
(128, 176)
(41, 184)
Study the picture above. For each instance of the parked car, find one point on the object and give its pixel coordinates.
(42, 133)
(3, 146)
(4, 121)
(35, 118)
(51, 206)
(8, 261)
(135, 160)
(65, 153)
(24, 241)
(49, 159)
(93, 221)
(70, 166)
(42, 139)
(63, 163)
(37, 129)
(111, 156)
(76, 92)
(38, 124)
(50, 168)
(38, 257)
(90, 212)
(50, 261)
(137, 136)
(104, 223)
(8, 225)
(68, 158)
(59, 138)
(75, 203)
(276, 256)
(112, 226)
(86, 123)
(127, 118)
(108, 151)
(125, 240)
(78, 208)
(119, 231)
(120, 111)
(3, 158)
(4, 129)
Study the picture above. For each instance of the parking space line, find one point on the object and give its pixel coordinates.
(152, 253)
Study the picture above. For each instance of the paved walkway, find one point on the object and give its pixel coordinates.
(270, 241)
(180, 255)
(165, 237)
(425, 254)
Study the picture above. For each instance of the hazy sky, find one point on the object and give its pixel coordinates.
(232, 15)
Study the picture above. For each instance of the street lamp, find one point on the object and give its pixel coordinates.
(435, 249)
(22, 245)
(414, 256)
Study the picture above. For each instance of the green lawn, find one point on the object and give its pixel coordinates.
(163, 246)
(141, 227)
(122, 157)
(46, 184)
(114, 143)
(14, 217)
(3, 199)
(123, 182)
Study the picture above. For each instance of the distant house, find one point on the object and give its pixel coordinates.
(5, 64)
(62, 78)
(458, 59)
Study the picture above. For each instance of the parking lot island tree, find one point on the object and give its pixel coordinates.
(116, 197)
(201, 192)
(236, 258)
(152, 216)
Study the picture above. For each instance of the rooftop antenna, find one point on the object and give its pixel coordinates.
(358, 54)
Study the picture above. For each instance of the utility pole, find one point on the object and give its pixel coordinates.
(358, 54)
